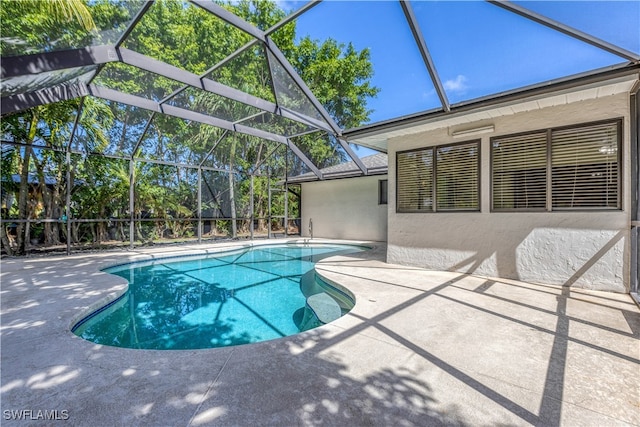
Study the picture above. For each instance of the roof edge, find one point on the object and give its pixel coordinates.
(342, 175)
(550, 86)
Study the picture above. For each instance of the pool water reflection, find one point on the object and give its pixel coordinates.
(233, 298)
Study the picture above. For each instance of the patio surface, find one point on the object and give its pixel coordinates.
(419, 348)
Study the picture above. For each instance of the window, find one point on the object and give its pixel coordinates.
(457, 177)
(575, 167)
(519, 171)
(436, 179)
(382, 192)
(414, 178)
(585, 167)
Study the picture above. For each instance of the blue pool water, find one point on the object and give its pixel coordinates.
(233, 298)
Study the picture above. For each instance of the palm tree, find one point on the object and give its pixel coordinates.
(65, 10)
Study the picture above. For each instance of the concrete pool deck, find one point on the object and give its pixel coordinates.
(419, 348)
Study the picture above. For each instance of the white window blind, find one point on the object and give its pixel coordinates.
(519, 172)
(457, 180)
(567, 168)
(585, 167)
(415, 181)
(453, 180)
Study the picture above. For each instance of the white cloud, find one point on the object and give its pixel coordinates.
(429, 94)
(459, 84)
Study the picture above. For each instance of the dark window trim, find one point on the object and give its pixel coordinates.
(433, 149)
(386, 192)
(549, 199)
(397, 181)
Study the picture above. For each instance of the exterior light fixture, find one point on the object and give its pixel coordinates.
(475, 131)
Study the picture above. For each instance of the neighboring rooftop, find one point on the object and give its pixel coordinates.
(376, 164)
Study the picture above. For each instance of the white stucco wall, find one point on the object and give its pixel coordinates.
(344, 209)
(582, 249)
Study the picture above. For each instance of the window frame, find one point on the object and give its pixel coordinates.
(434, 178)
(383, 200)
(549, 168)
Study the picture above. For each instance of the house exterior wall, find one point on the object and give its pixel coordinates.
(581, 249)
(344, 209)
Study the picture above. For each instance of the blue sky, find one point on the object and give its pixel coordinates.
(478, 49)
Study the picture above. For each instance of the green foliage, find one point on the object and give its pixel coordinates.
(31, 26)
(190, 38)
(339, 77)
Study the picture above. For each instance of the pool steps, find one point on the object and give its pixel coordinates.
(324, 303)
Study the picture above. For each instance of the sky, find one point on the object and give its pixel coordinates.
(478, 49)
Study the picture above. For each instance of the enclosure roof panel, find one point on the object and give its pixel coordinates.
(613, 22)
(34, 82)
(201, 61)
(476, 48)
(33, 33)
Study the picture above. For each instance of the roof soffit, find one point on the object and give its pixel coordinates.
(438, 120)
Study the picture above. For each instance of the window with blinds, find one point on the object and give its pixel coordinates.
(443, 178)
(457, 177)
(585, 167)
(414, 178)
(519, 172)
(569, 168)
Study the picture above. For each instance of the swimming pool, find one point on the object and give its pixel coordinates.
(232, 298)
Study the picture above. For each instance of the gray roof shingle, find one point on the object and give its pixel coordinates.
(376, 164)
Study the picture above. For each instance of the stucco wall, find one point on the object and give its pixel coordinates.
(582, 249)
(344, 209)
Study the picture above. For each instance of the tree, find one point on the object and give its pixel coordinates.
(190, 38)
(30, 26)
(338, 76)
(44, 132)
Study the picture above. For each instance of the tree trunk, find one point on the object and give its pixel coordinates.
(75, 231)
(138, 228)
(63, 230)
(49, 201)
(27, 237)
(57, 203)
(102, 227)
(123, 134)
(6, 243)
(123, 236)
(23, 193)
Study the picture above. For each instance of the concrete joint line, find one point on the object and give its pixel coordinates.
(204, 396)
